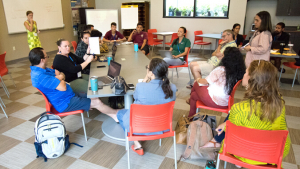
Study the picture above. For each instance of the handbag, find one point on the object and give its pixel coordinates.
(182, 127)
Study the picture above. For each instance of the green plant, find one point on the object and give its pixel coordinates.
(207, 8)
(224, 8)
(183, 11)
(171, 9)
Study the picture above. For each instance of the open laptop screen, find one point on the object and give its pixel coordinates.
(114, 69)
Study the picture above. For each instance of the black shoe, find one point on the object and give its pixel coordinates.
(283, 70)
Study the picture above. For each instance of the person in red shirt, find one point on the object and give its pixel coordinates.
(113, 35)
(140, 37)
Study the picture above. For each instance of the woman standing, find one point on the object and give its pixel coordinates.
(179, 48)
(32, 31)
(261, 41)
(238, 38)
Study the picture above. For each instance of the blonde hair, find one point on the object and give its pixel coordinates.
(263, 87)
(228, 31)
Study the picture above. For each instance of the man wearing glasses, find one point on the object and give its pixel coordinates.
(201, 69)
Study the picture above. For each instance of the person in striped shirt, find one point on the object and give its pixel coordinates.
(52, 83)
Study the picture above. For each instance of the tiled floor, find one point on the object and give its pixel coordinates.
(25, 105)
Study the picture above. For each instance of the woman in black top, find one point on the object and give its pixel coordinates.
(238, 38)
(71, 65)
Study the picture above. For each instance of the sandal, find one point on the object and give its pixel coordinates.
(188, 101)
(139, 151)
(189, 86)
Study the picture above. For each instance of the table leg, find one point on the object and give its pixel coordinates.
(128, 101)
(164, 41)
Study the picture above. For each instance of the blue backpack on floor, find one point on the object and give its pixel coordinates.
(51, 140)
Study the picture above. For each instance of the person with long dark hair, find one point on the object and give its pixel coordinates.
(238, 38)
(155, 89)
(215, 89)
(179, 48)
(261, 41)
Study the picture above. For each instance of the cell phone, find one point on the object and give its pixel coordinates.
(101, 66)
(130, 85)
(245, 45)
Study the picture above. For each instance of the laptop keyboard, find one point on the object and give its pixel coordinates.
(105, 79)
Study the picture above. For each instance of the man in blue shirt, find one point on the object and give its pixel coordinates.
(52, 83)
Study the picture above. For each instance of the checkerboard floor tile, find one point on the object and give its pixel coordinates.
(25, 105)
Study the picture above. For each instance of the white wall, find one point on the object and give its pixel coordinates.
(253, 7)
(237, 11)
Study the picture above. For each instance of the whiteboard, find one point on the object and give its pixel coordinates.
(46, 13)
(102, 18)
(130, 17)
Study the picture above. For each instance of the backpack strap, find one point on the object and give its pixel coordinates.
(190, 144)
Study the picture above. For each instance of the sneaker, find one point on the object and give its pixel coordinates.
(210, 165)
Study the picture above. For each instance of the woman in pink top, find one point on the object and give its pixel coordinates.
(261, 41)
(215, 89)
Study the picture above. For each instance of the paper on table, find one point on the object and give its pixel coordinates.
(127, 43)
(94, 45)
(273, 51)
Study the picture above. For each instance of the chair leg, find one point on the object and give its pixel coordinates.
(280, 73)
(2, 102)
(152, 50)
(197, 110)
(83, 125)
(192, 48)
(172, 74)
(189, 74)
(3, 111)
(218, 162)
(225, 164)
(88, 115)
(4, 87)
(210, 49)
(159, 142)
(12, 79)
(177, 73)
(128, 150)
(294, 77)
(175, 155)
(202, 50)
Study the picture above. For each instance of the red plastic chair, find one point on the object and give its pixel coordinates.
(154, 36)
(200, 104)
(50, 108)
(174, 36)
(244, 37)
(151, 42)
(220, 40)
(258, 145)
(293, 66)
(199, 41)
(4, 71)
(74, 44)
(186, 59)
(150, 118)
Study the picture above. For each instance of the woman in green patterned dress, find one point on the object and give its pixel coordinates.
(32, 31)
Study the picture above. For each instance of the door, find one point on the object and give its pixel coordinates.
(294, 8)
(283, 7)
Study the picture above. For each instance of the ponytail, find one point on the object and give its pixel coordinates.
(166, 87)
(160, 69)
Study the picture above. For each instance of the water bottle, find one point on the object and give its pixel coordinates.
(94, 83)
(136, 47)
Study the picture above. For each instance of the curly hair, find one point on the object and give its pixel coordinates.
(234, 67)
(263, 88)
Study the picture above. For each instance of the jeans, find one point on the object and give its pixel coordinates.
(173, 62)
(221, 137)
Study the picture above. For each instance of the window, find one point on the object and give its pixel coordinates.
(196, 8)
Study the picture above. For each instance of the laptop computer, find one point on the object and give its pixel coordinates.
(165, 54)
(113, 71)
(276, 44)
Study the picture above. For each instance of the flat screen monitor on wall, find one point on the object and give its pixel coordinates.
(196, 8)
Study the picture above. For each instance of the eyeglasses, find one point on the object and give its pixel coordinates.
(147, 67)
